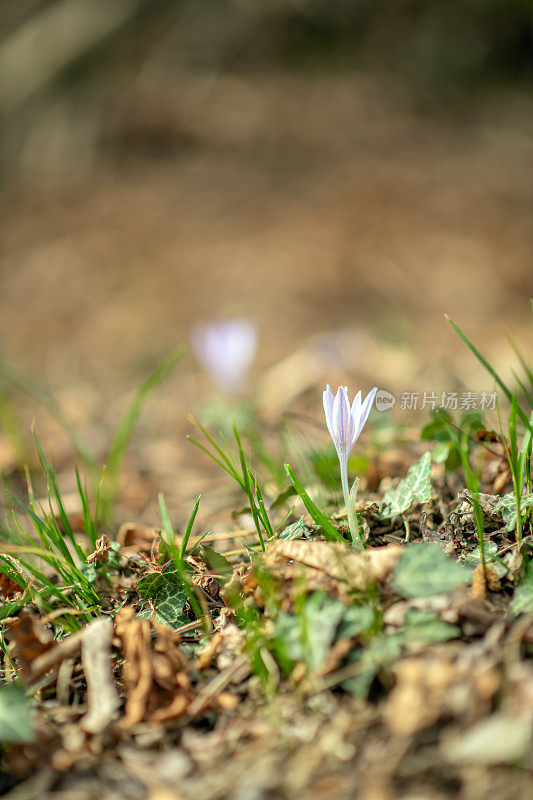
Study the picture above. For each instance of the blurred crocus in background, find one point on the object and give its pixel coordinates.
(345, 424)
(226, 349)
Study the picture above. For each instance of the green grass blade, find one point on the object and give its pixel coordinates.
(262, 509)
(330, 531)
(51, 480)
(523, 361)
(188, 529)
(167, 522)
(125, 428)
(88, 522)
(489, 368)
(247, 486)
(232, 473)
(230, 465)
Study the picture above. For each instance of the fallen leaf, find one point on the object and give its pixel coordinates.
(101, 554)
(8, 587)
(155, 671)
(31, 640)
(359, 570)
(102, 696)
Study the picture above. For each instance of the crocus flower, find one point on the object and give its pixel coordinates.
(345, 424)
(226, 350)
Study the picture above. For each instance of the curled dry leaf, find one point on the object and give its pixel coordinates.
(31, 640)
(101, 554)
(359, 570)
(155, 672)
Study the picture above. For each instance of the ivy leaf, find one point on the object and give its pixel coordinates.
(166, 593)
(507, 505)
(298, 530)
(319, 622)
(415, 486)
(426, 627)
(522, 602)
(424, 570)
(473, 559)
(89, 570)
(15, 721)
(379, 652)
(309, 635)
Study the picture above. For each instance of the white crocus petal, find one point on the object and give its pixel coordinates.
(341, 419)
(328, 399)
(356, 416)
(365, 410)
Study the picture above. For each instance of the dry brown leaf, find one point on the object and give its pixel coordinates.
(31, 640)
(101, 554)
(7, 587)
(359, 570)
(155, 672)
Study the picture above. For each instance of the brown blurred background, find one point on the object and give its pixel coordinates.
(314, 165)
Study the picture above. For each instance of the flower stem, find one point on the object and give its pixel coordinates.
(353, 520)
(344, 481)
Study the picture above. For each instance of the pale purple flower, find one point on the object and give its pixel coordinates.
(226, 350)
(345, 424)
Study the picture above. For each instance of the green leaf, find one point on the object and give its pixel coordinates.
(380, 651)
(89, 570)
(522, 602)
(424, 570)
(308, 635)
(356, 620)
(319, 622)
(216, 563)
(474, 558)
(15, 720)
(166, 593)
(438, 429)
(416, 486)
(298, 530)
(426, 627)
(507, 505)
